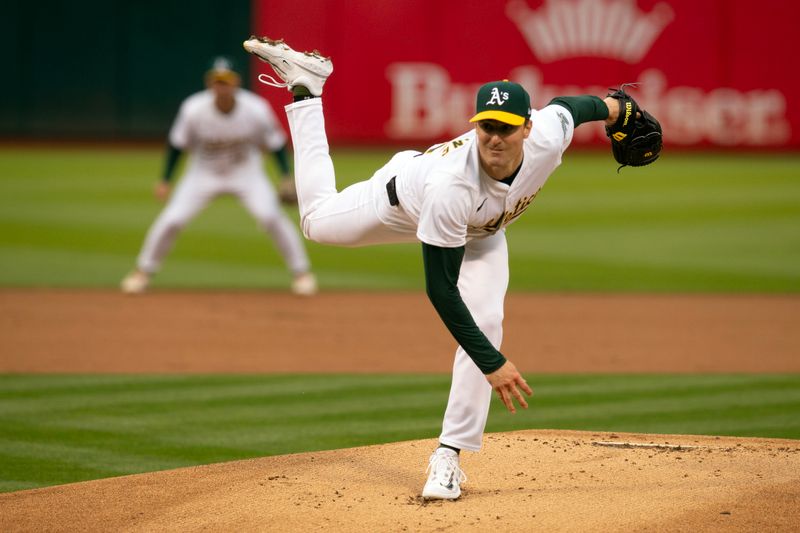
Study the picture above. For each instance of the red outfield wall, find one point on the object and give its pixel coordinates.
(716, 73)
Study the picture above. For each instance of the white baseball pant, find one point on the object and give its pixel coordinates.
(196, 190)
(351, 218)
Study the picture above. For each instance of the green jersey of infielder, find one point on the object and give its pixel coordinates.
(456, 199)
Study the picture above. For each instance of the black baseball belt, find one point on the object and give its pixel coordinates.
(391, 191)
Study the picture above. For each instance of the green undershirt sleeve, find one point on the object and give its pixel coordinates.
(442, 266)
(173, 155)
(282, 158)
(583, 108)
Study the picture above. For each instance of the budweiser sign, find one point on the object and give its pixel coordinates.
(711, 72)
(428, 104)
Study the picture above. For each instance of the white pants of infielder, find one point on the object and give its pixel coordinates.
(353, 218)
(196, 190)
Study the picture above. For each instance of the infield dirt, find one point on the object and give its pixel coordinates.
(76, 331)
(522, 481)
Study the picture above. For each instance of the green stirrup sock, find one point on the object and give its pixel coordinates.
(301, 93)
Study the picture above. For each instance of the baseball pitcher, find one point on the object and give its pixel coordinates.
(456, 198)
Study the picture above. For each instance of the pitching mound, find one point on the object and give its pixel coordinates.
(521, 481)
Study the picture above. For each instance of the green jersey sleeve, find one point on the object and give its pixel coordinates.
(582, 108)
(170, 162)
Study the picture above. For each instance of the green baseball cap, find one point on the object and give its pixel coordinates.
(504, 101)
(222, 69)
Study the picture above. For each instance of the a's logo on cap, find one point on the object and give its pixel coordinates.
(497, 97)
(504, 101)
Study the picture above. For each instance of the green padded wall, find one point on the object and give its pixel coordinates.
(109, 69)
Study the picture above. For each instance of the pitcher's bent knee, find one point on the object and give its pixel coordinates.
(305, 227)
(173, 225)
(324, 232)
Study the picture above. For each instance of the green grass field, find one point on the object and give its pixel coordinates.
(691, 223)
(58, 429)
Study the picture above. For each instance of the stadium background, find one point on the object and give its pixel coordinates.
(112, 70)
(91, 88)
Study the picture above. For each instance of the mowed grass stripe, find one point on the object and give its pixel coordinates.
(143, 388)
(744, 405)
(99, 458)
(229, 423)
(583, 384)
(680, 389)
(56, 429)
(779, 420)
(219, 414)
(38, 471)
(726, 406)
(280, 393)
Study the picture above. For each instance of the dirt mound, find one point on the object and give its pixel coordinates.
(521, 481)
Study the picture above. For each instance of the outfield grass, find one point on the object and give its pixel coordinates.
(59, 429)
(689, 223)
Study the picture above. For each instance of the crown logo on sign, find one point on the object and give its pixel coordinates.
(616, 29)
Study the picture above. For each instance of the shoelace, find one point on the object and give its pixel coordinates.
(272, 82)
(451, 469)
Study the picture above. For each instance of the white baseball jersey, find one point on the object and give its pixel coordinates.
(448, 199)
(222, 143)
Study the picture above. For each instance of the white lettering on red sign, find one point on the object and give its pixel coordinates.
(426, 104)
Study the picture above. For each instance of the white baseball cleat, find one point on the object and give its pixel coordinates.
(445, 477)
(304, 284)
(309, 69)
(135, 283)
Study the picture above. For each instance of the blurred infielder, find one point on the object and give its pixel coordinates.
(456, 198)
(226, 128)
